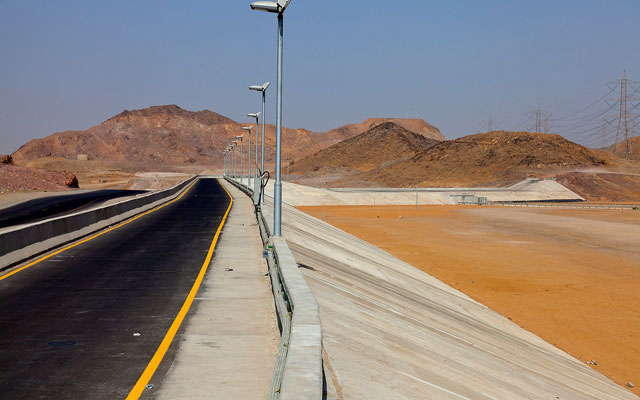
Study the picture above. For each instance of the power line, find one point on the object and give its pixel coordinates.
(587, 107)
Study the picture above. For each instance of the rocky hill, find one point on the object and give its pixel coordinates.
(485, 159)
(162, 134)
(15, 178)
(170, 135)
(632, 145)
(418, 126)
(381, 145)
(604, 187)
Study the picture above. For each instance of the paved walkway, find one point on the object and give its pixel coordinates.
(229, 346)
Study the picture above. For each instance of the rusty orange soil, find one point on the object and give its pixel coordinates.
(571, 277)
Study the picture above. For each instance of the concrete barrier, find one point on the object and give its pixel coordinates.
(300, 355)
(20, 243)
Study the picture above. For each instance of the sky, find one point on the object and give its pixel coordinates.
(72, 64)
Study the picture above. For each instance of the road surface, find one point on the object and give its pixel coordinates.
(85, 323)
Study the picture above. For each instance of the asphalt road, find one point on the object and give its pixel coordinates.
(69, 324)
(52, 206)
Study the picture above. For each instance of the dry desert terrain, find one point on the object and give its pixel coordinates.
(570, 276)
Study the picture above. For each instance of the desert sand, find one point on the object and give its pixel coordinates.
(571, 277)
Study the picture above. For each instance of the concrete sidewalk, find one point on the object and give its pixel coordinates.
(228, 348)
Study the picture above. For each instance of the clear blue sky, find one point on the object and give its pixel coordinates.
(72, 64)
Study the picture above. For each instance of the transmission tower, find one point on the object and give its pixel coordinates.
(543, 124)
(625, 123)
(489, 125)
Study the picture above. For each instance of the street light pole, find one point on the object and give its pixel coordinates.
(235, 160)
(256, 116)
(277, 191)
(263, 89)
(241, 156)
(248, 129)
(279, 8)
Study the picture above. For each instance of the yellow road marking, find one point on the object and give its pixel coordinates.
(31, 264)
(137, 390)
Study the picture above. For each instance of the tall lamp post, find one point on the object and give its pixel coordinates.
(263, 89)
(235, 159)
(277, 7)
(248, 129)
(224, 163)
(256, 116)
(241, 157)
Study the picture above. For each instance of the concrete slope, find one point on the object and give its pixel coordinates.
(528, 190)
(392, 331)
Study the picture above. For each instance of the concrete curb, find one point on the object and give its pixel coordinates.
(303, 374)
(21, 243)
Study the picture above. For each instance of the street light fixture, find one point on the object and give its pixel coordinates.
(276, 7)
(263, 89)
(270, 6)
(241, 155)
(248, 129)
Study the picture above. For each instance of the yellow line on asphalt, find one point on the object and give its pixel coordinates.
(137, 390)
(31, 264)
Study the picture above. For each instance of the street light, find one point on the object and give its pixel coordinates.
(224, 163)
(276, 7)
(241, 156)
(263, 89)
(256, 116)
(248, 129)
(235, 160)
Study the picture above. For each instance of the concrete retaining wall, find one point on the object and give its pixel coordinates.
(23, 242)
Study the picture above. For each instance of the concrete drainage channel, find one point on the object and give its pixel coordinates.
(298, 373)
(24, 242)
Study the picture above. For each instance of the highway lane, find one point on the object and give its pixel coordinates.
(52, 206)
(85, 323)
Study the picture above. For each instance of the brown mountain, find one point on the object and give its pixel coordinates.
(383, 144)
(299, 143)
(162, 134)
(170, 135)
(418, 126)
(484, 159)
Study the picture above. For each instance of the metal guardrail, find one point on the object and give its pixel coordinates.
(298, 372)
(25, 241)
(582, 205)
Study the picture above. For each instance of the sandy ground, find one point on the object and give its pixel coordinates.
(570, 276)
